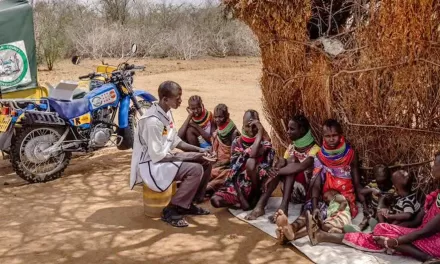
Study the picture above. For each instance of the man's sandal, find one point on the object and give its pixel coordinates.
(172, 217)
(193, 210)
(312, 228)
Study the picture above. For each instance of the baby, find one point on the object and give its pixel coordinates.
(406, 205)
(381, 188)
(338, 212)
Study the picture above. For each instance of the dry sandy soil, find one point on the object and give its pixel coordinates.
(91, 216)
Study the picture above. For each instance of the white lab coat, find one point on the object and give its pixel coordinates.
(154, 139)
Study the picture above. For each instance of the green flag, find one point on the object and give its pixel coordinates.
(18, 60)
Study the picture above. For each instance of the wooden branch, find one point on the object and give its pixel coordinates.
(273, 74)
(369, 69)
(411, 164)
(402, 165)
(394, 127)
(284, 125)
(330, 16)
(430, 62)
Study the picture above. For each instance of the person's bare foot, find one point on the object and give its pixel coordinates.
(273, 218)
(275, 215)
(257, 212)
(284, 231)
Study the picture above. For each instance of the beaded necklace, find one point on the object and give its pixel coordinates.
(204, 118)
(225, 130)
(342, 155)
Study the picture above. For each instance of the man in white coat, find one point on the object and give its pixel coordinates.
(154, 164)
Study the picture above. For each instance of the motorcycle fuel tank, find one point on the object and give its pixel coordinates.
(104, 96)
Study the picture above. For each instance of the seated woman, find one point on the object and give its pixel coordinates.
(292, 169)
(420, 239)
(199, 125)
(221, 147)
(251, 162)
(335, 167)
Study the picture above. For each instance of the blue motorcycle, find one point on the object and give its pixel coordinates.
(41, 135)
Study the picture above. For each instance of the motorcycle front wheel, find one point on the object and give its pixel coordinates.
(133, 118)
(28, 159)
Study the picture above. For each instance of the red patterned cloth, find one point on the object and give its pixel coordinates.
(429, 245)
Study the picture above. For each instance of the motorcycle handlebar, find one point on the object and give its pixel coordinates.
(91, 76)
(88, 76)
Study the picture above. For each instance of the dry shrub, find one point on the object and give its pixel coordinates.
(384, 88)
(159, 29)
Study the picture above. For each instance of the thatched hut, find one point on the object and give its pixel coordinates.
(374, 65)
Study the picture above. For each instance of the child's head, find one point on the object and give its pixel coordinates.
(402, 182)
(383, 178)
(298, 126)
(195, 104)
(329, 195)
(332, 133)
(221, 114)
(249, 116)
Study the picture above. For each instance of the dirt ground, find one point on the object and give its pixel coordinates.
(91, 216)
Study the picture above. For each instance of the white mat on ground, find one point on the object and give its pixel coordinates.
(323, 253)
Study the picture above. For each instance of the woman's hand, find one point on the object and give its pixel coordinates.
(258, 124)
(210, 157)
(278, 163)
(272, 174)
(316, 213)
(190, 112)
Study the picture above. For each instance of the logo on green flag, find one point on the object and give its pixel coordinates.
(14, 65)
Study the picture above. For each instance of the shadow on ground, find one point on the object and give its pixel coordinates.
(91, 216)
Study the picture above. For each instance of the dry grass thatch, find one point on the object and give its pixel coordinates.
(384, 87)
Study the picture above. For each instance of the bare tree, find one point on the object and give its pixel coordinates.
(116, 10)
(160, 29)
(51, 20)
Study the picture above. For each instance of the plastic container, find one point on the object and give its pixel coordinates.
(154, 202)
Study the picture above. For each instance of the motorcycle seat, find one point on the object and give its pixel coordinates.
(69, 109)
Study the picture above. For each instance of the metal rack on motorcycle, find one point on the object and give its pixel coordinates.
(8, 106)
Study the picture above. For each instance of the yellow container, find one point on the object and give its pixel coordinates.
(34, 93)
(154, 202)
(106, 69)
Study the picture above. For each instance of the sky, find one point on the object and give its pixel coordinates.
(196, 2)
